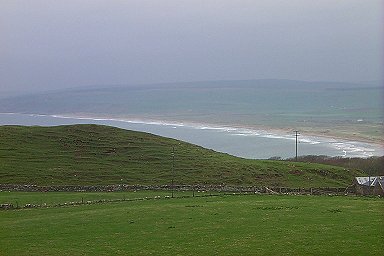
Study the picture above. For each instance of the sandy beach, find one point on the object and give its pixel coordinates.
(252, 142)
(307, 134)
(360, 132)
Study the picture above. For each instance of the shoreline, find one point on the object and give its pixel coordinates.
(267, 130)
(314, 143)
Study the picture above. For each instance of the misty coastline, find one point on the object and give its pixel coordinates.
(236, 140)
(238, 129)
(340, 111)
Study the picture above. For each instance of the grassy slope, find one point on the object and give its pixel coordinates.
(91, 154)
(231, 225)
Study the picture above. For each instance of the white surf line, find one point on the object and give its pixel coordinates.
(313, 140)
(347, 147)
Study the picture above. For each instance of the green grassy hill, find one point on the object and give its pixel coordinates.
(92, 154)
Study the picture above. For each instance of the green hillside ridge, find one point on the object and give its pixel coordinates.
(101, 155)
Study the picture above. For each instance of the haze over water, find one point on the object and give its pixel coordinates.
(254, 118)
(126, 57)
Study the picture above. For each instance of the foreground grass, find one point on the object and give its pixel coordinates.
(221, 225)
(101, 155)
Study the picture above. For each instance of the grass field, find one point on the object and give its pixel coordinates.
(101, 155)
(152, 223)
(218, 225)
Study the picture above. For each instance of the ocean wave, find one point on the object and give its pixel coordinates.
(131, 121)
(353, 149)
(344, 147)
(348, 148)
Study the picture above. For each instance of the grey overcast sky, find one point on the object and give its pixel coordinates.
(56, 44)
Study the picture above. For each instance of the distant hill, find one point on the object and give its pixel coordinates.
(92, 154)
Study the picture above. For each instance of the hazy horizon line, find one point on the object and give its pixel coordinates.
(132, 84)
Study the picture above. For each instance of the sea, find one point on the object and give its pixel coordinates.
(245, 118)
(238, 141)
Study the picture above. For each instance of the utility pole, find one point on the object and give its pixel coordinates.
(296, 135)
(173, 167)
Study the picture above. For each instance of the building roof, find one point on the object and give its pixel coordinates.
(381, 182)
(370, 181)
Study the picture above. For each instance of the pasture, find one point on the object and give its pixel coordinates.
(101, 155)
(201, 225)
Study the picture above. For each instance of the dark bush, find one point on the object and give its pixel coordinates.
(372, 166)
